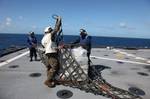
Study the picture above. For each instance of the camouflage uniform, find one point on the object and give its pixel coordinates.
(53, 66)
(51, 51)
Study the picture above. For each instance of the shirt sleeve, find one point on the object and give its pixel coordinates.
(43, 41)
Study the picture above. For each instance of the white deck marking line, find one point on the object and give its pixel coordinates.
(134, 56)
(133, 62)
(12, 59)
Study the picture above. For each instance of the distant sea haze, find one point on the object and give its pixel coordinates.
(8, 40)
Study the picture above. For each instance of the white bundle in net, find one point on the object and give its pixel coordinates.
(80, 55)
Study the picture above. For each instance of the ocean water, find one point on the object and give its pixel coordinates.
(9, 40)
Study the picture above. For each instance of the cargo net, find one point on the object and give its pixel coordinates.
(71, 74)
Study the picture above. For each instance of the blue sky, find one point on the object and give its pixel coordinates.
(119, 18)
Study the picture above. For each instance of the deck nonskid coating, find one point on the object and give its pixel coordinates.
(16, 83)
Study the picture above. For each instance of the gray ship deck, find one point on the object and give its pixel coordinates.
(128, 68)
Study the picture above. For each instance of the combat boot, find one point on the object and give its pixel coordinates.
(50, 84)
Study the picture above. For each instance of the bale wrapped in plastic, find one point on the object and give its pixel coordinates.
(80, 55)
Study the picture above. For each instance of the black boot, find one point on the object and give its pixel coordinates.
(31, 60)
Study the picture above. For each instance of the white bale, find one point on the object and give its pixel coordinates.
(80, 54)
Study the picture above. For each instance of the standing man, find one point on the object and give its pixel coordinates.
(32, 43)
(51, 50)
(85, 41)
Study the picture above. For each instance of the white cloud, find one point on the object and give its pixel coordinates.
(8, 21)
(34, 27)
(123, 25)
(5, 23)
(20, 17)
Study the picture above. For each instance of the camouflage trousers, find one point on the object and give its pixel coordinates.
(52, 66)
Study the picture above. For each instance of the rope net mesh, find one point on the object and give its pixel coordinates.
(71, 74)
